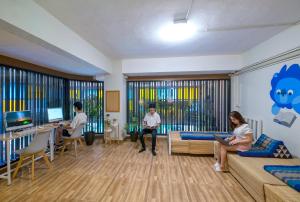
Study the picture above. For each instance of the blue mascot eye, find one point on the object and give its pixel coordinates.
(278, 92)
(290, 92)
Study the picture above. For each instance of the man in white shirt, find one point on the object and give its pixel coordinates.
(151, 123)
(80, 118)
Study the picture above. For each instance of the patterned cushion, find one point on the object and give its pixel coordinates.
(265, 142)
(267, 147)
(282, 152)
(288, 174)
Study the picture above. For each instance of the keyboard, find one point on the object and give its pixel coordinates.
(26, 131)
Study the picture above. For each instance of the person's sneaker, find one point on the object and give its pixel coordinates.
(216, 165)
(142, 150)
(218, 169)
(153, 152)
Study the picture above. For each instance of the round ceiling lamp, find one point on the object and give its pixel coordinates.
(179, 30)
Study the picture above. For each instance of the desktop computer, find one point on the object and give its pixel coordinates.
(55, 115)
(17, 120)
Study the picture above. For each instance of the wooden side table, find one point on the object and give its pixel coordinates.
(107, 135)
(115, 131)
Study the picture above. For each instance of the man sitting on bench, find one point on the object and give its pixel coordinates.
(151, 123)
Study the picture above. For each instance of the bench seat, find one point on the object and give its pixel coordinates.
(250, 173)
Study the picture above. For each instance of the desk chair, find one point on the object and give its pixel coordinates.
(75, 136)
(36, 148)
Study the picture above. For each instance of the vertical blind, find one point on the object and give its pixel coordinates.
(27, 90)
(90, 94)
(185, 105)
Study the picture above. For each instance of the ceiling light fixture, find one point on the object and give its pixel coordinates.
(179, 30)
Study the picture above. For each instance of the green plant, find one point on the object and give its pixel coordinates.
(134, 124)
(92, 106)
(134, 129)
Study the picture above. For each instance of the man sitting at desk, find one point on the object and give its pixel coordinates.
(151, 123)
(80, 118)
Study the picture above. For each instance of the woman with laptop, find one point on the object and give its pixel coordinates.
(241, 140)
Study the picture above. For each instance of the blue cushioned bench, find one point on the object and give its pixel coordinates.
(287, 173)
(193, 142)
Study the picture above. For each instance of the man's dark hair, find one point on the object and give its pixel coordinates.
(152, 105)
(78, 105)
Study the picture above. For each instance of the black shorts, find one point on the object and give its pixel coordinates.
(66, 133)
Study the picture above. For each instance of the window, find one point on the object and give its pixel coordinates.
(27, 90)
(189, 105)
(91, 95)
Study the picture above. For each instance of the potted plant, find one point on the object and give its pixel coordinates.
(134, 132)
(92, 108)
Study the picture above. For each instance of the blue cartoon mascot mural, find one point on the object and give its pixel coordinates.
(285, 91)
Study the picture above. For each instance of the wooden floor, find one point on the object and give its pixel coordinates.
(119, 173)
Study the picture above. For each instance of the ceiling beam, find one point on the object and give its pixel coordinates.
(12, 62)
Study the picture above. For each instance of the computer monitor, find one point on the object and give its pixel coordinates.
(17, 120)
(55, 115)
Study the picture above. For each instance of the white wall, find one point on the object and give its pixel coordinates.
(255, 102)
(235, 93)
(250, 90)
(282, 42)
(196, 64)
(30, 20)
(116, 81)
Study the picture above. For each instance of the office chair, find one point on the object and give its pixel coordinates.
(75, 136)
(36, 148)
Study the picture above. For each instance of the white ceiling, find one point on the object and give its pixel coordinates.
(128, 28)
(26, 50)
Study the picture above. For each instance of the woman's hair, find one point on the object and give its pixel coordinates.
(238, 116)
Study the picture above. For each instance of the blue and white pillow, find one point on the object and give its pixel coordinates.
(267, 147)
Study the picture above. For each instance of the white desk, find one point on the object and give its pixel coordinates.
(8, 137)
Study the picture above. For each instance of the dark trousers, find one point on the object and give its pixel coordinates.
(66, 133)
(147, 131)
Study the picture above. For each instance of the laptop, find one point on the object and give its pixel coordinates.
(221, 140)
